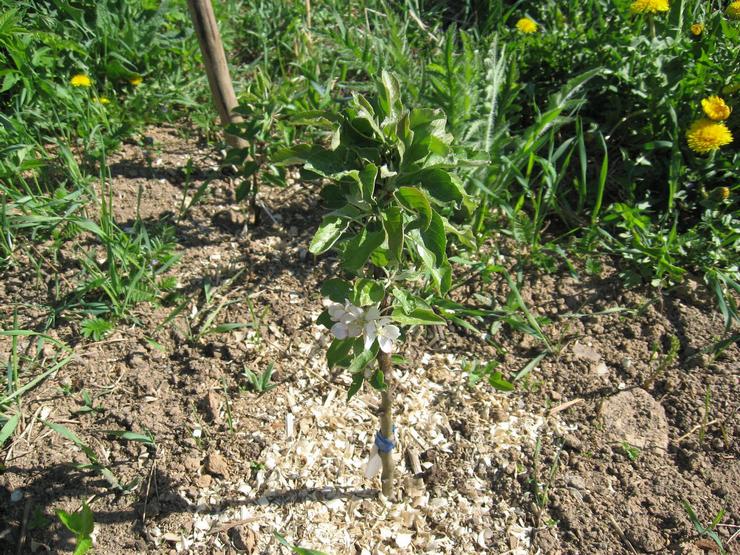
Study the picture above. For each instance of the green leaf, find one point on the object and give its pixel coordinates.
(324, 319)
(416, 201)
(317, 159)
(435, 239)
(367, 177)
(8, 428)
(68, 519)
(92, 227)
(338, 351)
(226, 327)
(390, 96)
(68, 434)
(441, 274)
(442, 185)
(530, 366)
(360, 247)
(417, 317)
(393, 225)
(405, 298)
(333, 196)
(378, 380)
(497, 380)
(87, 523)
(356, 384)
(236, 157)
(363, 359)
(245, 187)
(338, 290)
(368, 292)
(379, 258)
(131, 436)
(83, 546)
(95, 328)
(81, 524)
(329, 232)
(296, 549)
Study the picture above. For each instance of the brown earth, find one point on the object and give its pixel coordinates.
(594, 452)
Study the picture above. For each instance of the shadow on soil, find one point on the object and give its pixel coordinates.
(30, 520)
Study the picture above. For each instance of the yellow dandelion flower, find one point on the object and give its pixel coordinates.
(526, 25)
(80, 80)
(715, 108)
(697, 29)
(649, 6)
(706, 135)
(733, 10)
(136, 81)
(721, 193)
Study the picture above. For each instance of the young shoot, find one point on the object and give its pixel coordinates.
(393, 206)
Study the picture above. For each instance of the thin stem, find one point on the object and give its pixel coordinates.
(386, 423)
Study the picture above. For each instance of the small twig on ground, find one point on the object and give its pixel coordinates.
(24, 526)
(563, 406)
(621, 534)
(695, 428)
(152, 470)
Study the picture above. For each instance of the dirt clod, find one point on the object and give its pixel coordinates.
(636, 418)
(216, 464)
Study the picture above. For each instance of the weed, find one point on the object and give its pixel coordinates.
(95, 328)
(478, 371)
(708, 531)
(81, 523)
(87, 404)
(260, 383)
(664, 362)
(632, 452)
(540, 484)
(296, 549)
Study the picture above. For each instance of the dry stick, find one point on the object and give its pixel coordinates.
(386, 423)
(692, 430)
(222, 91)
(24, 527)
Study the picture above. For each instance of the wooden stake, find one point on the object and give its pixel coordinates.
(222, 90)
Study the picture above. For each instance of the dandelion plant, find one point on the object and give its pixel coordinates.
(389, 186)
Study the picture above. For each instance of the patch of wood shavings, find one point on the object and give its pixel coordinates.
(313, 491)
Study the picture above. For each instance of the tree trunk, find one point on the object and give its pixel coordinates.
(386, 423)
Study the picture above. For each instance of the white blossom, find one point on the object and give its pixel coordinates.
(385, 332)
(354, 321)
(348, 318)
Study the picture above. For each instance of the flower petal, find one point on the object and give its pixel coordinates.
(385, 343)
(370, 336)
(354, 329)
(336, 311)
(390, 331)
(339, 330)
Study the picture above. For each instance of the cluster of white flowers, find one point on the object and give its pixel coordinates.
(354, 321)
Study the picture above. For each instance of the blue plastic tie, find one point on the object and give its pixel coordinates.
(384, 444)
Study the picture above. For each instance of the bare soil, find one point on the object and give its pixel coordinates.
(594, 452)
